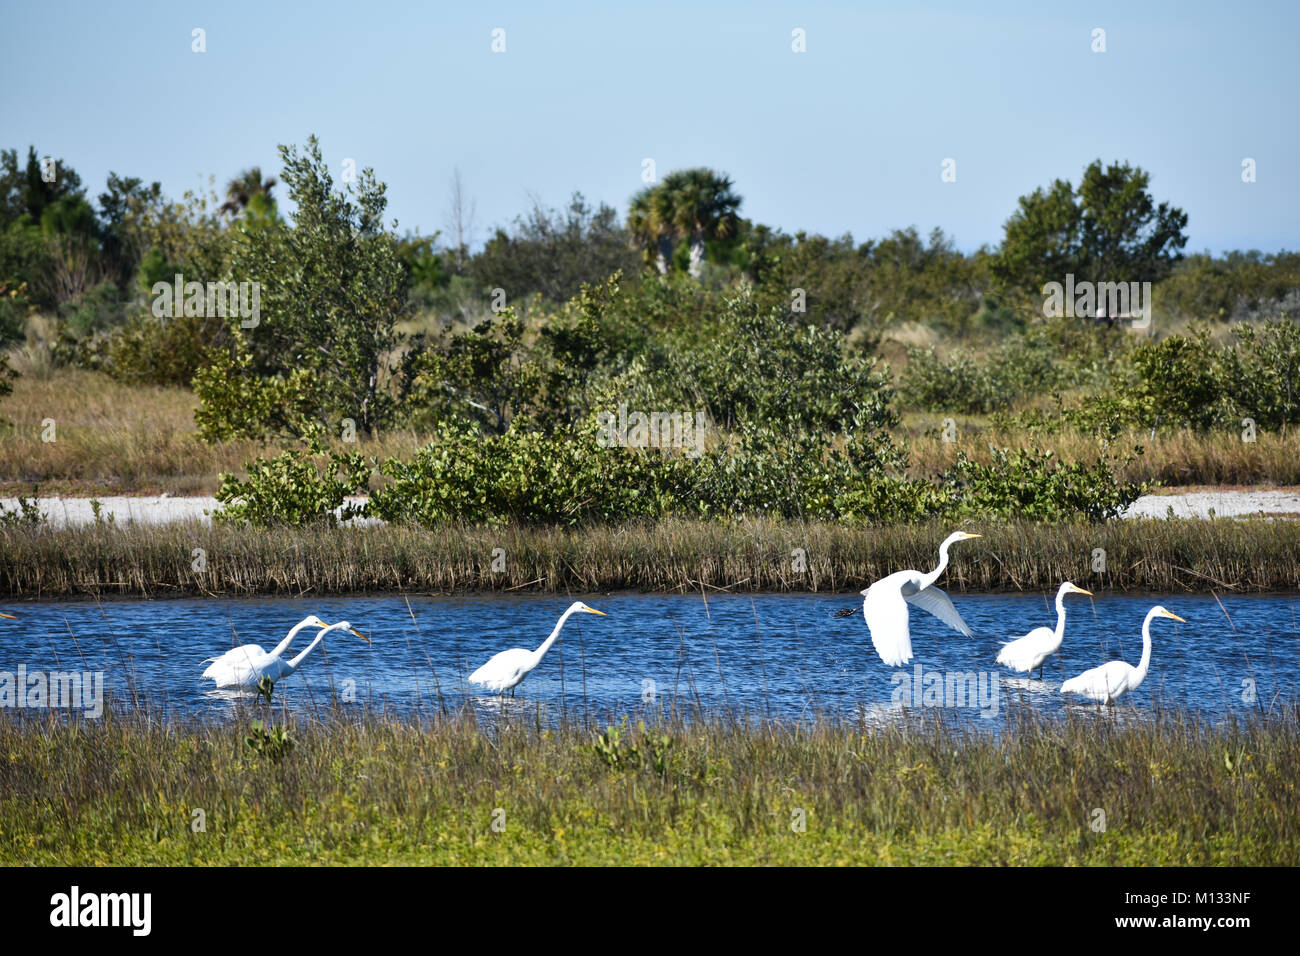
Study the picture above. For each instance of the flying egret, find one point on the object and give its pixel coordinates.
(505, 670)
(1026, 653)
(885, 604)
(1107, 682)
(245, 666)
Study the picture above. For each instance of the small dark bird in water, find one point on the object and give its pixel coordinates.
(846, 612)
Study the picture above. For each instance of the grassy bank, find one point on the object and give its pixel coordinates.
(112, 439)
(1167, 556)
(124, 790)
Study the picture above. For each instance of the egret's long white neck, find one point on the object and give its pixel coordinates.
(928, 579)
(293, 664)
(284, 644)
(1060, 615)
(1141, 674)
(555, 634)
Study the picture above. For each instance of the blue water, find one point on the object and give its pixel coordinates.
(783, 656)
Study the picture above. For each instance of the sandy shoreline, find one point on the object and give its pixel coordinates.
(162, 509)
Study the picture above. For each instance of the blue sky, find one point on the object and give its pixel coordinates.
(847, 137)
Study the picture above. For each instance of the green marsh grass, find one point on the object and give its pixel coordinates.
(372, 789)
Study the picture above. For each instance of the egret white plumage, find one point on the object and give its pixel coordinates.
(246, 665)
(241, 658)
(1028, 652)
(1107, 682)
(885, 606)
(504, 671)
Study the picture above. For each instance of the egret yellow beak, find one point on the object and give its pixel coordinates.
(1173, 615)
(592, 610)
(10, 616)
(360, 635)
(1079, 590)
(972, 535)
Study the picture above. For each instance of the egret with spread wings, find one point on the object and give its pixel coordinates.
(886, 604)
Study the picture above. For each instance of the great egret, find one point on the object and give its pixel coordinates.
(240, 658)
(505, 670)
(885, 604)
(1107, 682)
(1026, 653)
(245, 666)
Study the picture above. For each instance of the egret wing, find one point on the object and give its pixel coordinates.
(1026, 653)
(886, 613)
(241, 653)
(1102, 683)
(934, 601)
(501, 667)
(234, 661)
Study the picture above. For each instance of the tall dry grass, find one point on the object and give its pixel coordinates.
(112, 438)
(1182, 458)
(673, 555)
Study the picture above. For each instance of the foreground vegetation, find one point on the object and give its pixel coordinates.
(1085, 790)
(1168, 556)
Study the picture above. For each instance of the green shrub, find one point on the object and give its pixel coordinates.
(332, 289)
(27, 514)
(1185, 381)
(1034, 485)
(959, 383)
(12, 317)
(561, 478)
(100, 307)
(1265, 370)
(293, 489)
(149, 351)
(1107, 415)
(234, 402)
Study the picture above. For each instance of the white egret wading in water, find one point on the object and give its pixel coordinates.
(1106, 683)
(1028, 652)
(885, 606)
(246, 665)
(505, 670)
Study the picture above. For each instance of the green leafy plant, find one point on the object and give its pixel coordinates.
(621, 750)
(101, 519)
(333, 287)
(294, 489)
(1034, 485)
(1264, 368)
(27, 514)
(274, 744)
(1185, 381)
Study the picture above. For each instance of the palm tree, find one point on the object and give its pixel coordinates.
(695, 205)
(647, 223)
(249, 189)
